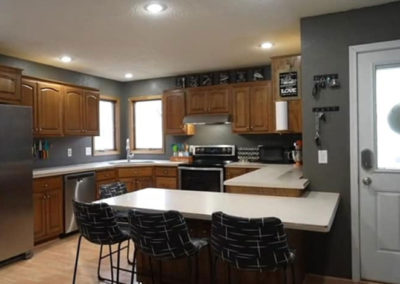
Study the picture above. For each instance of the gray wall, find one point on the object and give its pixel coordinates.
(58, 146)
(325, 42)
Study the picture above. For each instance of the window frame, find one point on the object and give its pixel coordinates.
(117, 128)
(132, 124)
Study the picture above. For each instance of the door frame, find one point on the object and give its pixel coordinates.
(354, 51)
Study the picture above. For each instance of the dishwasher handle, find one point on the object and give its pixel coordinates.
(80, 175)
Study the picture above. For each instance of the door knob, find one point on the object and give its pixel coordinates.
(367, 180)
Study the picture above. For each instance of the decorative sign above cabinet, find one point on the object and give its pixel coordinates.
(288, 84)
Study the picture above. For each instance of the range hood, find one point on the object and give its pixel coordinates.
(207, 119)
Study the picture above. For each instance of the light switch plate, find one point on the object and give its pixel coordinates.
(69, 152)
(322, 156)
(88, 151)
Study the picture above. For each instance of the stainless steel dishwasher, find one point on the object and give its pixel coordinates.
(80, 187)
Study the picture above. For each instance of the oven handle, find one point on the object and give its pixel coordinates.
(201, 169)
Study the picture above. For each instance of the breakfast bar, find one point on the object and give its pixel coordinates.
(313, 211)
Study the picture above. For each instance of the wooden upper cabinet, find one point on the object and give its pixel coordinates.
(10, 85)
(218, 100)
(253, 110)
(207, 100)
(50, 109)
(91, 113)
(174, 112)
(284, 64)
(295, 111)
(196, 101)
(29, 98)
(73, 111)
(261, 108)
(241, 109)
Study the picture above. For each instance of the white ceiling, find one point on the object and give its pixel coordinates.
(108, 38)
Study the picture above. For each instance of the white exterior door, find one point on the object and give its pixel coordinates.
(378, 84)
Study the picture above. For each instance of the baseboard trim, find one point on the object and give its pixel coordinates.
(320, 279)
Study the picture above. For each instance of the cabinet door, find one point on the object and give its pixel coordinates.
(218, 100)
(28, 98)
(92, 101)
(10, 85)
(241, 108)
(54, 214)
(166, 182)
(196, 101)
(130, 183)
(174, 111)
(261, 108)
(73, 111)
(39, 213)
(50, 102)
(144, 182)
(295, 116)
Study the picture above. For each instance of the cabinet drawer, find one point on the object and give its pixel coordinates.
(166, 171)
(135, 172)
(41, 184)
(166, 182)
(106, 174)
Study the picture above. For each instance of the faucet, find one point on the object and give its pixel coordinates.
(129, 154)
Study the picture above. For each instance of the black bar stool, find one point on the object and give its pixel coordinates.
(250, 244)
(98, 224)
(112, 190)
(164, 236)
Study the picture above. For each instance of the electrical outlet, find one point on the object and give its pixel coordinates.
(69, 152)
(322, 156)
(88, 151)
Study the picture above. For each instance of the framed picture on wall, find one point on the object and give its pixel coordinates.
(288, 84)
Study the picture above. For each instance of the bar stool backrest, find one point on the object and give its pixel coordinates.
(250, 244)
(97, 223)
(112, 190)
(161, 235)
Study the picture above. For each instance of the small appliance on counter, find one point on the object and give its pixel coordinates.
(275, 155)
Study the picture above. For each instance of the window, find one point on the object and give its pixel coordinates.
(147, 125)
(108, 141)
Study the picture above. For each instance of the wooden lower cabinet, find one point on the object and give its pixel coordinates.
(166, 177)
(136, 178)
(235, 172)
(288, 192)
(48, 208)
(104, 177)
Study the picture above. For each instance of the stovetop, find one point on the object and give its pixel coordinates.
(212, 155)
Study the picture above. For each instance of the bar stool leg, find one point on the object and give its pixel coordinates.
(77, 257)
(111, 264)
(284, 275)
(196, 269)
(293, 273)
(151, 270)
(118, 261)
(133, 266)
(189, 274)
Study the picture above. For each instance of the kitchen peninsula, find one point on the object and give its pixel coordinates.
(297, 213)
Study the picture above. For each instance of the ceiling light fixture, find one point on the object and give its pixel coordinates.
(128, 75)
(266, 45)
(65, 59)
(155, 8)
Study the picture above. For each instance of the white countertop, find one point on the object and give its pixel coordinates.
(273, 176)
(54, 171)
(314, 211)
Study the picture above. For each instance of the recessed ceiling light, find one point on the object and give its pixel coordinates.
(266, 45)
(65, 59)
(155, 8)
(128, 75)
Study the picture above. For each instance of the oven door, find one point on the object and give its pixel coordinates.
(201, 179)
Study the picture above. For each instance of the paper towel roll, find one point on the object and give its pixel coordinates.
(281, 112)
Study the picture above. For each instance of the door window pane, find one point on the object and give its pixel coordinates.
(388, 117)
(148, 125)
(106, 140)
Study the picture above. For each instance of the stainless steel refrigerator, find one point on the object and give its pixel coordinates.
(16, 204)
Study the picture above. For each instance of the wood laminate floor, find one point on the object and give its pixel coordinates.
(53, 263)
